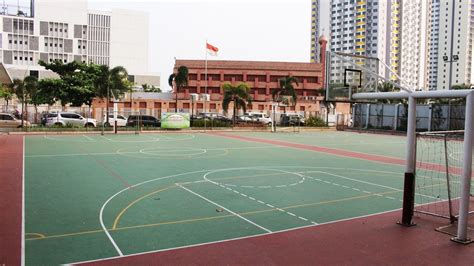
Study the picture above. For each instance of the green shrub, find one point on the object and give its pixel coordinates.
(210, 123)
(314, 121)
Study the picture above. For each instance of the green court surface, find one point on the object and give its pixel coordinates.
(90, 197)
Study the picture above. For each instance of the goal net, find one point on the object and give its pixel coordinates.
(439, 162)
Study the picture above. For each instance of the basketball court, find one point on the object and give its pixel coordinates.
(93, 197)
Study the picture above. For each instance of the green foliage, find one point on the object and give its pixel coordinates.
(314, 121)
(239, 95)
(209, 123)
(179, 80)
(80, 83)
(111, 80)
(150, 88)
(6, 93)
(18, 88)
(286, 89)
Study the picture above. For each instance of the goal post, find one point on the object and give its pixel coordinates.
(410, 167)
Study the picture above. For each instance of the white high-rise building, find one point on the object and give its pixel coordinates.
(359, 27)
(315, 7)
(414, 43)
(412, 37)
(68, 31)
(455, 40)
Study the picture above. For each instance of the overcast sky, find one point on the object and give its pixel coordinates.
(262, 30)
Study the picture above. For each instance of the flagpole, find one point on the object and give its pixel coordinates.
(205, 88)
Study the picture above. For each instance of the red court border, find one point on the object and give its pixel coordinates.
(11, 199)
(371, 240)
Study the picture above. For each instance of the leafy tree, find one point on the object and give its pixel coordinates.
(71, 83)
(179, 80)
(150, 88)
(6, 94)
(239, 95)
(31, 89)
(79, 83)
(18, 88)
(48, 89)
(286, 88)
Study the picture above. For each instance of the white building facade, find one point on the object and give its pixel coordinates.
(68, 31)
(359, 27)
(455, 43)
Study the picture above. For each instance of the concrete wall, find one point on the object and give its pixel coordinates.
(129, 41)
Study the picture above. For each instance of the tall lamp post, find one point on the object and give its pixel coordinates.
(454, 58)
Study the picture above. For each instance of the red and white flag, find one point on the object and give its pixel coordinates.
(212, 50)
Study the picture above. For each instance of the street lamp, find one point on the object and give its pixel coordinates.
(454, 58)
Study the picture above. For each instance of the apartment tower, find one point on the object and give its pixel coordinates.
(315, 58)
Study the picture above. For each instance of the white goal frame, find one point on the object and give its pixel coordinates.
(409, 186)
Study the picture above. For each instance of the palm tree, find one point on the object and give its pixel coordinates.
(18, 88)
(31, 88)
(286, 89)
(239, 95)
(111, 81)
(180, 80)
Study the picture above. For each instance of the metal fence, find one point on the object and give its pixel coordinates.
(429, 117)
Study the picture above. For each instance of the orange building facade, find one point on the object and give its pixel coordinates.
(261, 77)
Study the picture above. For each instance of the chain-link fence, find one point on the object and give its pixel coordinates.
(429, 117)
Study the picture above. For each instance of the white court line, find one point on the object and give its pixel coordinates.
(89, 138)
(137, 152)
(369, 183)
(226, 240)
(23, 208)
(209, 170)
(105, 228)
(220, 206)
